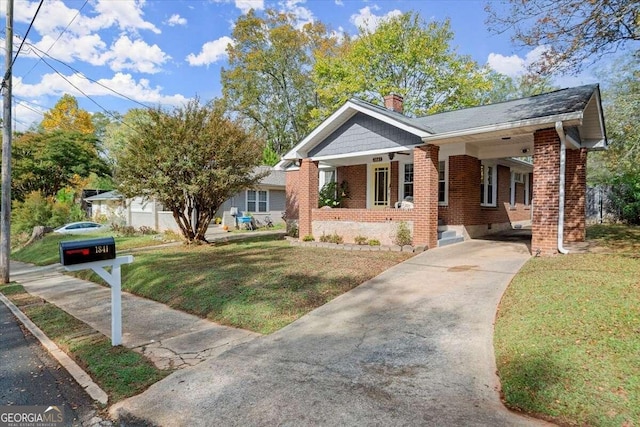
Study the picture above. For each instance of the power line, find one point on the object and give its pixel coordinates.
(81, 74)
(59, 36)
(77, 88)
(10, 68)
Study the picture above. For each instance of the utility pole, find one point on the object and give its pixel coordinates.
(5, 206)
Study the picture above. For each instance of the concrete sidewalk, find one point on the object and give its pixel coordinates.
(412, 346)
(170, 338)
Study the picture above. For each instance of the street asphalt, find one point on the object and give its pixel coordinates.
(29, 376)
(413, 346)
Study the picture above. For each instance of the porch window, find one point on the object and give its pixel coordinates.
(257, 200)
(407, 184)
(488, 184)
(443, 175)
(326, 176)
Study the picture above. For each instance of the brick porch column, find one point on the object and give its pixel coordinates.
(308, 195)
(464, 191)
(425, 195)
(575, 195)
(546, 180)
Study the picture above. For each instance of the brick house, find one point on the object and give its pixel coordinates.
(468, 171)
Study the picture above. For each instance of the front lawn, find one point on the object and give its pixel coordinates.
(567, 334)
(258, 285)
(45, 251)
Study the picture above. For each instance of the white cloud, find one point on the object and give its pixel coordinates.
(54, 16)
(511, 66)
(127, 14)
(301, 14)
(211, 52)
(246, 5)
(368, 20)
(88, 48)
(176, 20)
(135, 55)
(514, 65)
(54, 85)
(339, 2)
(26, 113)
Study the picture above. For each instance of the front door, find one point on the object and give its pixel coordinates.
(379, 186)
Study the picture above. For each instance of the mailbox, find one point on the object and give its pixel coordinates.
(81, 251)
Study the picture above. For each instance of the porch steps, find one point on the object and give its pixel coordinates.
(447, 237)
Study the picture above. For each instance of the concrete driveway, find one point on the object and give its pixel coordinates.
(412, 346)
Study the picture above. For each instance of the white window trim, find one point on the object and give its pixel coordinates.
(246, 201)
(401, 165)
(494, 192)
(322, 175)
(446, 182)
(512, 190)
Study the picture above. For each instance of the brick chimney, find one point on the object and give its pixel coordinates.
(393, 102)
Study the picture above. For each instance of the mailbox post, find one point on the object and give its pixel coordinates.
(96, 254)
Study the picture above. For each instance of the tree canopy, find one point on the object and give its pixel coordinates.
(50, 161)
(191, 160)
(576, 32)
(67, 116)
(268, 79)
(403, 55)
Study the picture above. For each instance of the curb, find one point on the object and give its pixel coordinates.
(81, 377)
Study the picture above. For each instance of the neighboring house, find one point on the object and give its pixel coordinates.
(458, 168)
(266, 199)
(109, 205)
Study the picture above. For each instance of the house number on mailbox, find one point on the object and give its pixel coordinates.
(102, 249)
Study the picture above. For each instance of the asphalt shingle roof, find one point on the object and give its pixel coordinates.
(548, 104)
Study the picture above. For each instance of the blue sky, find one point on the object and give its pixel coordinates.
(166, 51)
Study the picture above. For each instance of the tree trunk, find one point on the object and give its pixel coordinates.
(38, 233)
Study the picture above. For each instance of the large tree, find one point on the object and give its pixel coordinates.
(618, 168)
(50, 161)
(191, 160)
(117, 133)
(506, 88)
(576, 32)
(66, 115)
(406, 56)
(268, 80)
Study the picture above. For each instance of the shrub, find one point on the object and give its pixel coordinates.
(331, 238)
(624, 197)
(403, 234)
(124, 230)
(360, 240)
(374, 242)
(292, 229)
(308, 238)
(144, 230)
(38, 209)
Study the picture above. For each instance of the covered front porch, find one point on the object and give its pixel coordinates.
(466, 173)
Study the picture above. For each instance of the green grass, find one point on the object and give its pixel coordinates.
(120, 372)
(260, 285)
(45, 251)
(567, 335)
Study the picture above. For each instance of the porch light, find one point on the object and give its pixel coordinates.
(391, 156)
